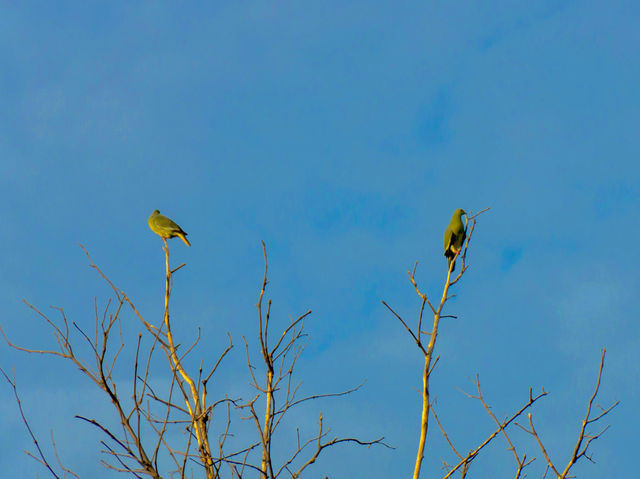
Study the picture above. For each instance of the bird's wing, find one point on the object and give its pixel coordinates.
(463, 237)
(449, 238)
(165, 223)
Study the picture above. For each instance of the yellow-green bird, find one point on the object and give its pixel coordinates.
(454, 237)
(163, 226)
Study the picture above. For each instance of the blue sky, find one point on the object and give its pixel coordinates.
(343, 134)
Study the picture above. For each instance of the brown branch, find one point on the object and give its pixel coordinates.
(278, 387)
(424, 423)
(521, 462)
(581, 448)
(425, 299)
(320, 447)
(60, 464)
(444, 433)
(415, 338)
(286, 331)
(41, 459)
(577, 452)
(61, 337)
(329, 395)
(473, 454)
(534, 433)
(191, 396)
(112, 436)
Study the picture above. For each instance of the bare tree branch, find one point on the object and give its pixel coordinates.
(584, 440)
(502, 426)
(41, 458)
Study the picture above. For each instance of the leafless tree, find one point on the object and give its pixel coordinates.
(280, 392)
(137, 445)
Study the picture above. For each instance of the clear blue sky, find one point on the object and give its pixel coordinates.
(343, 134)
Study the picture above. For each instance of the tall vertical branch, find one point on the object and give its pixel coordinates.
(268, 360)
(280, 360)
(195, 407)
(428, 352)
(428, 355)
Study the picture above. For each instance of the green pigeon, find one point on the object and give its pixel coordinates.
(163, 226)
(454, 237)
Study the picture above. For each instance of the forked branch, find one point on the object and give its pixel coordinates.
(280, 388)
(585, 438)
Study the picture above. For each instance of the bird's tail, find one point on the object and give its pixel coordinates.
(452, 268)
(183, 237)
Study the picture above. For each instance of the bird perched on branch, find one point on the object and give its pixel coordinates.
(454, 237)
(165, 228)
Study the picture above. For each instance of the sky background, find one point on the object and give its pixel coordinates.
(343, 134)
